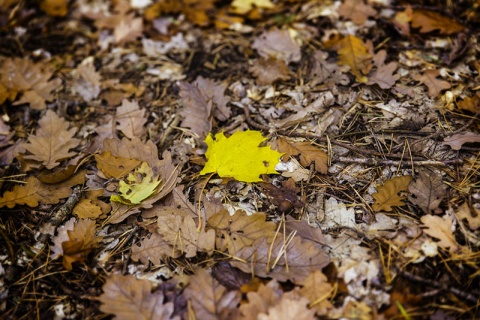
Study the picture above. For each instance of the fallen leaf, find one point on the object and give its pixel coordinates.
(402, 20)
(289, 308)
(356, 10)
(267, 71)
(277, 44)
(353, 53)
(115, 167)
(140, 185)
(194, 10)
(196, 109)
(52, 141)
(471, 214)
(244, 6)
(282, 261)
(128, 29)
(209, 299)
(33, 80)
(239, 156)
(82, 241)
(153, 249)
(240, 230)
(86, 209)
(308, 154)
(441, 229)
(428, 189)
(383, 75)
(129, 298)
(261, 300)
(131, 119)
(429, 21)
(337, 214)
(317, 290)
(429, 78)
(55, 8)
(457, 140)
(86, 81)
(471, 104)
(324, 71)
(230, 277)
(215, 91)
(387, 195)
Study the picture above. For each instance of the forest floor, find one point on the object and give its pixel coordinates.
(245, 159)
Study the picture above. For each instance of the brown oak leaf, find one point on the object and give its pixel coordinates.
(196, 109)
(387, 195)
(115, 167)
(383, 75)
(129, 298)
(209, 299)
(52, 141)
(261, 300)
(131, 119)
(317, 290)
(82, 241)
(356, 10)
(428, 190)
(86, 81)
(153, 249)
(472, 215)
(429, 21)
(215, 91)
(277, 44)
(459, 139)
(429, 78)
(308, 154)
(288, 308)
(441, 229)
(267, 71)
(324, 71)
(240, 230)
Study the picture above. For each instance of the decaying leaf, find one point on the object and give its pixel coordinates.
(91, 207)
(140, 185)
(428, 190)
(429, 21)
(153, 249)
(209, 299)
(129, 298)
(33, 192)
(86, 81)
(308, 154)
(472, 215)
(33, 80)
(180, 230)
(471, 104)
(261, 300)
(52, 141)
(325, 71)
(239, 156)
(240, 230)
(429, 78)
(287, 308)
(317, 290)
(387, 195)
(56, 8)
(356, 10)
(292, 260)
(277, 44)
(383, 75)
(115, 167)
(267, 71)
(402, 20)
(215, 91)
(131, 119)
(441, 229)
(354, 53)
(459, 139)
(82, 241)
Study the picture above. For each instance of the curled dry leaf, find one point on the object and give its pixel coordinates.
(441, 229)
(429, 21)
(233, 233)
(115, 167)
(428, 190)
(356, 10)
(129, 298)
(324, 71)
(308, 154)
(82, 241)
(131, 119)
(277, 44)
(209, 299)
(52, 141)
(388, 195)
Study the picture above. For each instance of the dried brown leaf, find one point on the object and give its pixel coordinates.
(86, 81)
(441, 229)
(317, 290)
(55, 8)
(267, 71)
(383, 75)
(459, 139)
(471, 214)
(128, 29)
(82, 241)
(324, 71)
(428, 189)
(356, 10)
(240, 230)
(52, 141)
(308, 154)
(387, 195)
(153, 249)
(283, 261)
(115, 167)
(429, 21)
(289, 308)
(261, 300)
(129, 298)
(209, 299)
(86, 209)
(277, 44)
(215, 91)
(471, 104)
(131, 119)
(429, 78)
(196, 109)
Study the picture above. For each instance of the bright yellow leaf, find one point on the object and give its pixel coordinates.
(240, 156)
(141, 185)
(244, 6)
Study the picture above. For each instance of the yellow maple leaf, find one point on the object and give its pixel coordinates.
(141, 185)
(240, 156)
(388, 194)
(244, 6)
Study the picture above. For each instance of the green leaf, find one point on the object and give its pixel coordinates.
(240, 156)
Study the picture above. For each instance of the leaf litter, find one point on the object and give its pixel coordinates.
(239, 159)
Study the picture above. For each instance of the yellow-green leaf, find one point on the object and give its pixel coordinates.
(240, 156)
(140, 185)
